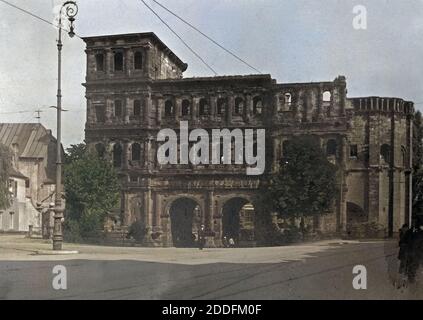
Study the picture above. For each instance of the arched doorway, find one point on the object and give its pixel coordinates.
(356, 217)
(184, 214)
(238, 220)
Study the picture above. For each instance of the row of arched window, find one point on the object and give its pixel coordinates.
(222, 107)
(288, 99)
(117, 153)
(119, 61)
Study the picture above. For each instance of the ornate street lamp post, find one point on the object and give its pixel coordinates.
(70, 9)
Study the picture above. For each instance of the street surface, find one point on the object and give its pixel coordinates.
(322, 270)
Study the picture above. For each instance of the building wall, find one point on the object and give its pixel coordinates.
(321, 109)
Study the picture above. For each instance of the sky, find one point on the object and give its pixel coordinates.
(293, 40)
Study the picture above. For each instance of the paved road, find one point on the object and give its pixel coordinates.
(313, 271)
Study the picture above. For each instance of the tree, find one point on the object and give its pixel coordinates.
(417, 164)
(306, 183)
(91, 189)
(5, 167)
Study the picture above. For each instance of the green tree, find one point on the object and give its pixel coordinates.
(418, 164)
(306, 183)
(91, 190)
(5, 167)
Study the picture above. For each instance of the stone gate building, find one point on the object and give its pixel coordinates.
(135, 87)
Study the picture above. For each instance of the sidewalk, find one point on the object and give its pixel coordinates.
(19, 248)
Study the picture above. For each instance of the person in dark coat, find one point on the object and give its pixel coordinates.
(201, 237)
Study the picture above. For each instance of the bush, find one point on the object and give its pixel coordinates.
(138, 231)
(72, 231)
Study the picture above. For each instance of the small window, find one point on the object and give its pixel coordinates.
(27, 184)
(204, 108)
(168, 109)
(221, 106)
(353, 151)
(118, 61)
(137, 108)
(136, 152)
(138, 61)
(331, 148)
(186, 108)
(100, 113)
(288, 99)
(385, 153)
(257, 106)
(117, 155)
(99, 61)
(327, 96)
(118, 109)
(239, 106)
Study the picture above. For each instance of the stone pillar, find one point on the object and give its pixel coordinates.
(230, 108)
(210, 207)
(109, 111)
(128, 62)
(126, 154)
(248, 108)
(178, 108)
(148, 107)
(158, 212)
(213, 107)
(276, 154)
(160, 109)
(195, 109)
(128, 109)
(109, 61)
(276, 104)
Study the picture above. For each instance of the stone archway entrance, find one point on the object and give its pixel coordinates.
(238, 220)
(184, 213)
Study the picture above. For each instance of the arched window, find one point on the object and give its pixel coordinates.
(100, 113)
(101, 150)
(327, 96)
(239, 106)
(118, 108)
(385, 153)
(137, 108)
(118, 59)
(117, 155)
(288, 99)
(331, 148)
(136, 152)
(257, 106)
(168, 109)
(99, 61)
(186, 108)
(221, 106)
(204, 108)
(138, 60)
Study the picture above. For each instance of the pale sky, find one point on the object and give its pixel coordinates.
(293, 40)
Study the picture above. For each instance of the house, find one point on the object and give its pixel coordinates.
(32, 178)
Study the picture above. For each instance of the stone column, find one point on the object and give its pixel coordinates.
(276, 153)
(248, 111)
(126, 154)
(128, 109)
(195, 107)
(213, 107)
(210, 207)
(158, 212)
(147, 109)
(128, 62)
(109, 111)
(160, 109)
(229, 109)
(276, 103)
(109, 61)
(178, 108)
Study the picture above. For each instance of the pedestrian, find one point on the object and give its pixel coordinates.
(225, 242)
(231, 243)
(201, 237)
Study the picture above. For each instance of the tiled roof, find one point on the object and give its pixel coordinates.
(32, 139)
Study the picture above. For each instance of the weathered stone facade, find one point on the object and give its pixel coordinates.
(135, 88)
